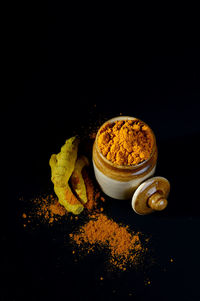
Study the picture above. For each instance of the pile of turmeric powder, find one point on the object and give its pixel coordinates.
(126, 142)
(125, 247)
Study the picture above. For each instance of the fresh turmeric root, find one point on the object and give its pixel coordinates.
(77, 181)
(62, 166)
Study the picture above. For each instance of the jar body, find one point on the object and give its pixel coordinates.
(120, 182)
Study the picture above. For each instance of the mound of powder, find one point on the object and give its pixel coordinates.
(126, 142)
(125, 247)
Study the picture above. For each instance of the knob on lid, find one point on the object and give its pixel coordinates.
(151, 196)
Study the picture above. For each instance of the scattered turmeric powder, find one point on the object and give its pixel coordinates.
(124, 246)
(49, 209)
(126, 142)
(46, 209)
(57, 209)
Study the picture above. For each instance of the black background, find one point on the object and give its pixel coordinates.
(64, 76)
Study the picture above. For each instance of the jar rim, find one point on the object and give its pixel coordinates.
(130, 167)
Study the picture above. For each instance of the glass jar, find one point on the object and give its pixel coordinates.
(119, 181)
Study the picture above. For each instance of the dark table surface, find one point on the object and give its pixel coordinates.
(57, 95)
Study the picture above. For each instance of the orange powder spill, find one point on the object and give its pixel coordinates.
(57, 209)
(45, 208)
(124, 246)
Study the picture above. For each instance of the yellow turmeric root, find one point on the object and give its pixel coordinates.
(77, 181)
(62, 166)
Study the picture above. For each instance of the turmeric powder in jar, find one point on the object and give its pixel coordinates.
(124, 155)
(126, 142)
